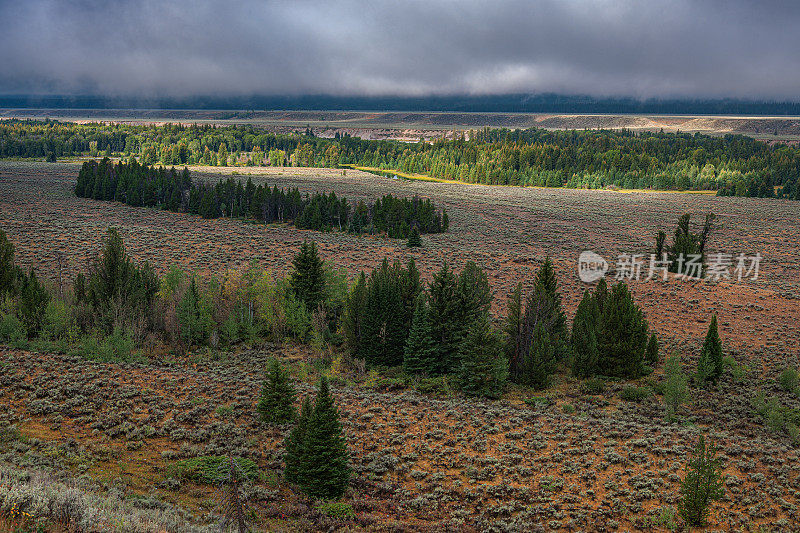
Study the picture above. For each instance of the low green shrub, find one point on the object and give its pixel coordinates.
(337, 510)
(593, 386)
(438, 386)
(789, 379)
(212, 469)
(635, 394)
(542, 401)
(12, 331)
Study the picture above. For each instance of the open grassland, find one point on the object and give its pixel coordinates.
(575, 461)
(413, 126)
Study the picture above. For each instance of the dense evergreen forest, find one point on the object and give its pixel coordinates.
(142, 185)
(732, 165)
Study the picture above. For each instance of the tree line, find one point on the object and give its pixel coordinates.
(141, 185)
(388, 318)
(731, 164)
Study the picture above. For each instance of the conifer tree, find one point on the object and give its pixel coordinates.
(540, 360)
(473, 293)
(353, 318)
(702, 484)
(194, 316)
(444, 318)
(308, 276)
(709, 367)
(410, 288)
(584, 337)
(223, 155)
(276, 405)
(622, 338)
(484, 368)
(601, 295)
(542, 309)
(414, 240)
(294, 443)
(384, 327)
(324, 471)
(8, 271)
(651, 354)
(676, 389)
(33, 301)
(420, 350)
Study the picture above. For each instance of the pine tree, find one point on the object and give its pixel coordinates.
(473, 294)
(277, 396)
(294, 443)
(584, 337)
(414, 240)
(651, 354)
(540, 361)
(33, 301)
(384, 329)
(324, 471)
(420, 350)
(676, 388)
(194, 316)
(8, 271)
(308, 277)
(444, 318)
(484, 368)
(702, 484)
(622, 338)
(353, 318)
(709, 367)
(542, 309)
(223, 155)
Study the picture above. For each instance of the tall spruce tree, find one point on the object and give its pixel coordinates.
(420, 350)
(484, 367)
(584, 337)
(709, 367)
(276, 405)
(540, 360)
(702, 484)
(33, 299)
(543, 309)
(384, 328)
(410, 288)
(308, 276)
(8, 271)
(444, 318)
(353, 318)
(473, 293)
(622, 338)
(651, 354)
(324, 470)
(294, 443)
(414, 240)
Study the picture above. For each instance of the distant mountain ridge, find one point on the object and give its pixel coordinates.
(510, 103)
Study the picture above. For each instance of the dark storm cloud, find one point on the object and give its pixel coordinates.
(169, 48)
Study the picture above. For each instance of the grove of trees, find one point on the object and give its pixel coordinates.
(732, 164)
(142, 185)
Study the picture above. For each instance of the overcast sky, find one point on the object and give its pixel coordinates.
(646, 48)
